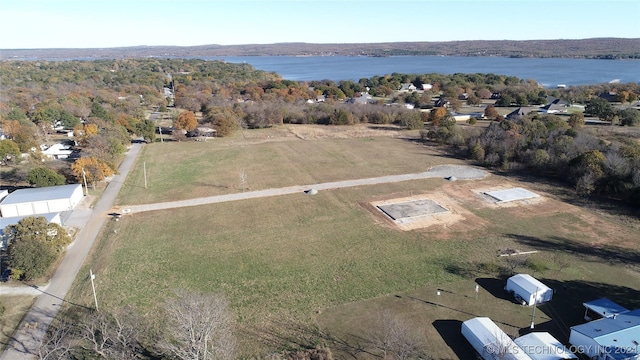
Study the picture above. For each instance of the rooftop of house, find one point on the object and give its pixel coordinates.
(605, 307)
(621, 331)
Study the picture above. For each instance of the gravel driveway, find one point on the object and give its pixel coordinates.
(460, 172)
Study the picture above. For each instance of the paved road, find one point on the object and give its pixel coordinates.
(44, 310)
(443, 171)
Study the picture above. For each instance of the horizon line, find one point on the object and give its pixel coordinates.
(306, 43)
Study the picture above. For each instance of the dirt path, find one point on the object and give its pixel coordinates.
(443, 171)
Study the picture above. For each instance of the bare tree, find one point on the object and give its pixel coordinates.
(199, 327)
(514, 261)
(110, 336)
(57, 343)
(396, 338)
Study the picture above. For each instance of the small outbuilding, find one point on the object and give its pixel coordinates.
(543, 346)
(490, 341)
(528, 290)
(44, 200)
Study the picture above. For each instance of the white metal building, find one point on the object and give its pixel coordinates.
(490, 341)
(543, 346)
(528, 289)
(45, 200)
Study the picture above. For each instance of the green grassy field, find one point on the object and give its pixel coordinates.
(190, 169)
(303, 270)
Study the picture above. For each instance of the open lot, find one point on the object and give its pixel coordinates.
(303, 270)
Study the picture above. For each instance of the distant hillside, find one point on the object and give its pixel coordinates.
(598, 48)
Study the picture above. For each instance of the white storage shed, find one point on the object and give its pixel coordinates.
(490, 341)
(527, 289)
(45, 200)
(543, 346)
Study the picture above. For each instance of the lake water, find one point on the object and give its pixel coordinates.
(548, 72)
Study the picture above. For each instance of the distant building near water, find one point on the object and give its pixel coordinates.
(44, 200)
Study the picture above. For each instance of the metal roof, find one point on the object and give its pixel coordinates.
(41, 194)
(543, 346)
(621, 332)
(529, 283)
(605, 307)
(498, 345)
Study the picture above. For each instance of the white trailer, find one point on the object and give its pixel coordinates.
(490, 341)
(543, 346)
(528, 290)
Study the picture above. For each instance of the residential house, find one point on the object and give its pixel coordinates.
(610, 96)
(363, 99)
(610, 338)
(519, 112)
(556, 106)
(441, 102)
(407, 87)
(58, 151)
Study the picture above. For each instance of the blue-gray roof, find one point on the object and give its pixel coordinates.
(605, 307)
(6, 221)
(41, 194)
(620, 335)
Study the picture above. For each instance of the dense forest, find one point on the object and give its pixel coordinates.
(596, 48)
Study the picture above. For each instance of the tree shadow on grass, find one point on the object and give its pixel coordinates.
(450, 331)
(607, 253)
(291, 336)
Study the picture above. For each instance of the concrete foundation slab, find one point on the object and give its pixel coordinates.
(410, 209)
(512, 194)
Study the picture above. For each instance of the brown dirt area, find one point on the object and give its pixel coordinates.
(462, 198)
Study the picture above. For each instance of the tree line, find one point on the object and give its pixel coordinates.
(550, 146)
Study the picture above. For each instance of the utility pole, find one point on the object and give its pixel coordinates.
(93, 276)
(144, 168)
(533, 312)
(84, 178)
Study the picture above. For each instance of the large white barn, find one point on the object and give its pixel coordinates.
(45, 200)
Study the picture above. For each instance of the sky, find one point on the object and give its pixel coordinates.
(28, 24)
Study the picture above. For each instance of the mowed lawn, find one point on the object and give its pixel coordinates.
(293, 264)
(177, 171)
